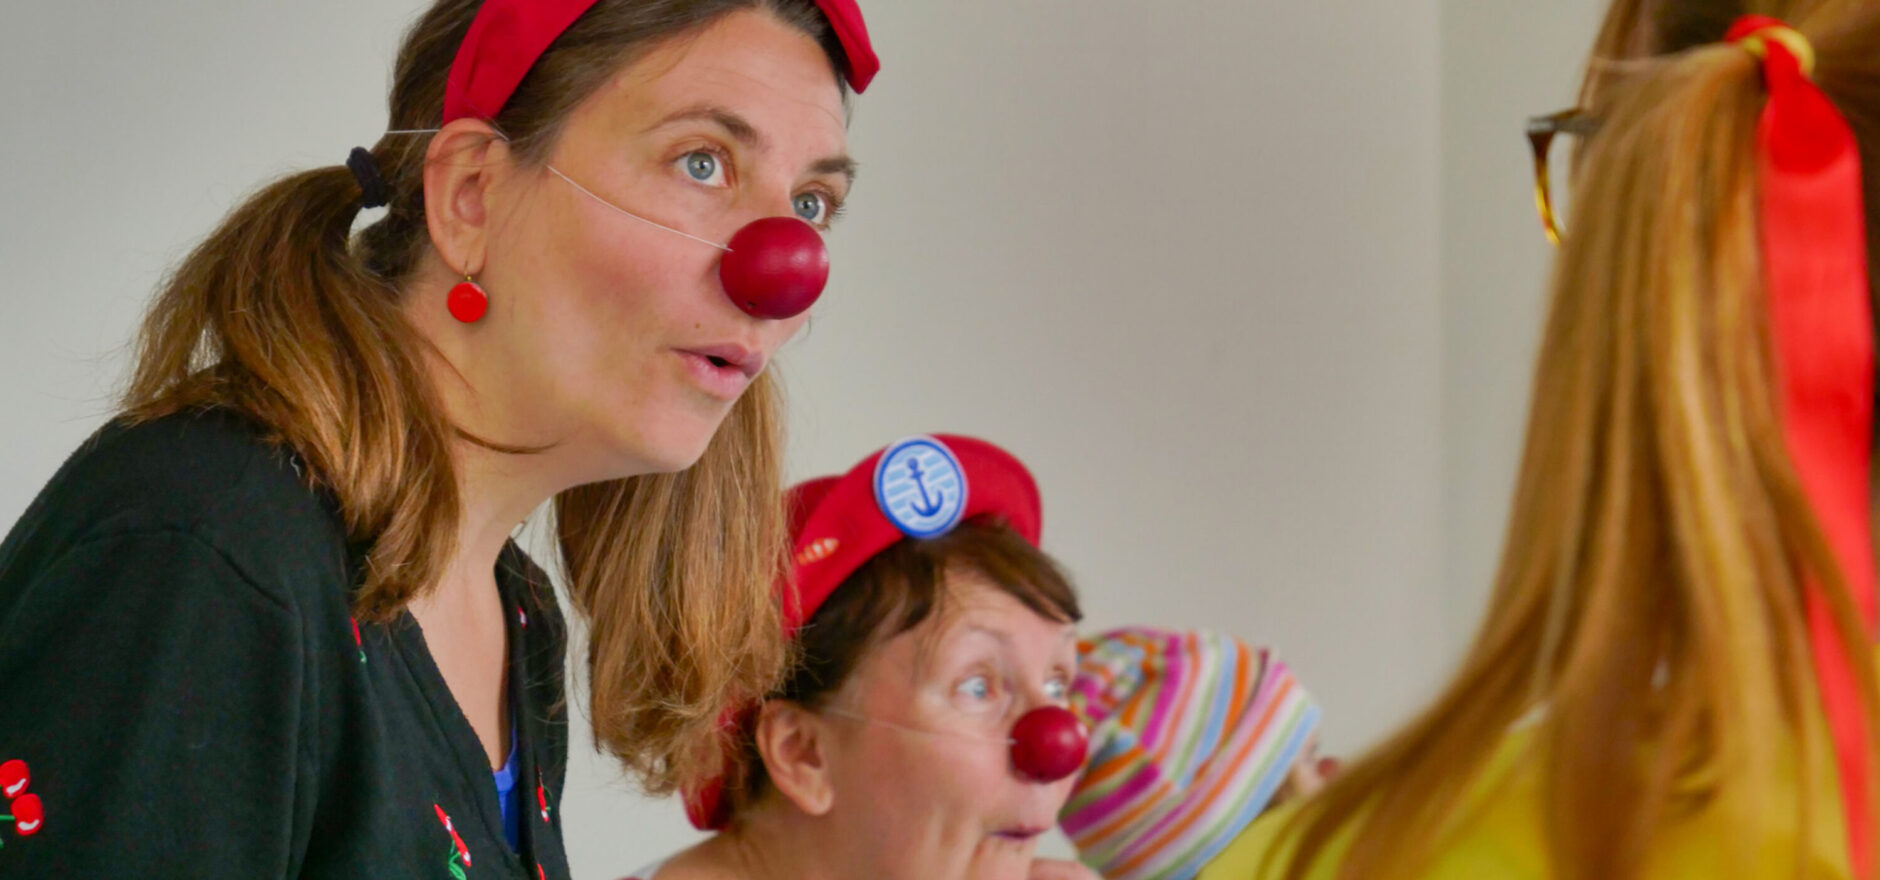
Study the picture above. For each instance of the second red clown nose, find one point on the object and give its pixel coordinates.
(776, 268)
(1048, 744)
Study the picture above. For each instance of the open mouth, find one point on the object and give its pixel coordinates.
(722, 373)
(729, 359)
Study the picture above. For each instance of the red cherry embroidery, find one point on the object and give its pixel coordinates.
(522, 616)
(13, 778)
(358, 642)
(539, 873)
(28, 814)
(462, 851)
(541, 795)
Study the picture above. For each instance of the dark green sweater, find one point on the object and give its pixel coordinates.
(182, 693)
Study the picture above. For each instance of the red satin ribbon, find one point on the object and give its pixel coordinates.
(1814, 255)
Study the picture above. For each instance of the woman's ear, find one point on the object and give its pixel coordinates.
(460, 167)
(794, 744)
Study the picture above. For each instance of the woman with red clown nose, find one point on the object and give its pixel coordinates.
(943, 713)
(1676, 675)
(270, 622)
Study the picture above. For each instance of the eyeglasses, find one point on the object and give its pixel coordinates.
(1541, 132)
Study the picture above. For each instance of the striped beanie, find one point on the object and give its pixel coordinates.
(1192, 734)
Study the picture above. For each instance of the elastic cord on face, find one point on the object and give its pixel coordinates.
(590, 194)
(856, 716)
(571, 182)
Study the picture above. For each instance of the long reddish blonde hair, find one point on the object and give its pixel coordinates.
(1647, 612)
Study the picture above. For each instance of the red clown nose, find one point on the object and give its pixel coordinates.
(1048, 744)
(776, 268)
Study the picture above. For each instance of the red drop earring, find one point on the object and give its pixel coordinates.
(467, 301)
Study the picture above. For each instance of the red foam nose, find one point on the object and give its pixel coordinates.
(776, 268)
(1048, 744)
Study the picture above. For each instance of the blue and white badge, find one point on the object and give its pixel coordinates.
(921, 487)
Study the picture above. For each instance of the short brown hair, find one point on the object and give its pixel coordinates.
(896, 591)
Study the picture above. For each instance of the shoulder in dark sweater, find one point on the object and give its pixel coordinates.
(212, 475)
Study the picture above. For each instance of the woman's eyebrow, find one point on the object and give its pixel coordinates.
(842, 165)
(746, 134)
(739, 128)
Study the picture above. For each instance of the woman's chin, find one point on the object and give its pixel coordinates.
(670, 447)
(1003, 857)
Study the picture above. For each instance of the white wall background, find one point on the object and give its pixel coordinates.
(1503, 61)
(1252, 286)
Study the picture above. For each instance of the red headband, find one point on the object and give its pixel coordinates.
(508, 36)
(1812, 234)
(921, 487)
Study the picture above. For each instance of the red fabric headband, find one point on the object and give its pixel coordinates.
(507, 36)
(1812, 235)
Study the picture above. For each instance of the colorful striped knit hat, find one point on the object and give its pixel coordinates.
(1192, 734)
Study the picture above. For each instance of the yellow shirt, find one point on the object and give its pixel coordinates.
(1499, 835)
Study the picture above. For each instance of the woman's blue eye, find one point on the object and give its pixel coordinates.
(812, 207)
(703, 167)
(978, 687)
(1057, 690)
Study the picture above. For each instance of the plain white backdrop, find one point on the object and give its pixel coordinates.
(1252, 286)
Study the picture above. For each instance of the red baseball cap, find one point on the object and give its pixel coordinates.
(921, 487)
(508, 36)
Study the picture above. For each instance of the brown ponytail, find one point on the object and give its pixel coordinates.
(284, 314)
(343, 387)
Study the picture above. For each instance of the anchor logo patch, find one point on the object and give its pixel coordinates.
(921, 487)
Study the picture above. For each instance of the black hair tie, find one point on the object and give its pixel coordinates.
(365, 169)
